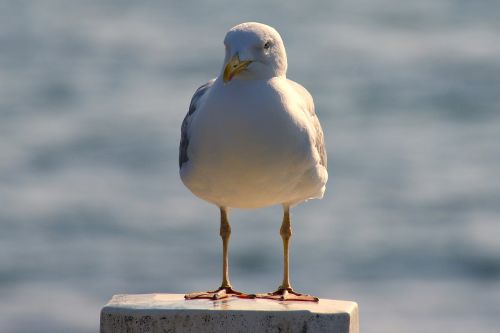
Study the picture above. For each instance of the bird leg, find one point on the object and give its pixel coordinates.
(225, 290)
(285, 291)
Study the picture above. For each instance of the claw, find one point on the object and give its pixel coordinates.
(288, 294)
(221, 293)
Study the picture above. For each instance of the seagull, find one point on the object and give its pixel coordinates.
(251, 139)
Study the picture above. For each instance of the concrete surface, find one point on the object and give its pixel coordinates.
(171, 313)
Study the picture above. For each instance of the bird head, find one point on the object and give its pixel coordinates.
(254, 51)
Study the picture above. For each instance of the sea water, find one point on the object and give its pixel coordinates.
(92, 95)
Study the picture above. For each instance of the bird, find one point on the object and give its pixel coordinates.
(251, 139)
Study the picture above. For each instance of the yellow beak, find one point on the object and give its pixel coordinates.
(233, 67)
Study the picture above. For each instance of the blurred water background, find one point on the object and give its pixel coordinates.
(92, 95)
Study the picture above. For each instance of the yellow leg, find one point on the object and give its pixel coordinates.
(285, 291)
(225, 290)
(286, 233)
(225, 234)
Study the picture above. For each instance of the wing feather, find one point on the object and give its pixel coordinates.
(319, 139)
(193, 106)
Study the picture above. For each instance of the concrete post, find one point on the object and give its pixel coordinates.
(171, 313)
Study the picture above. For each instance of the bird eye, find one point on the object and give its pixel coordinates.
(267, 45)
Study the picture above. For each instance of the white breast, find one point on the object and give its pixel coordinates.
(250, 146)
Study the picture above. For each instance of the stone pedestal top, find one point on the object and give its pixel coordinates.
(172, 313)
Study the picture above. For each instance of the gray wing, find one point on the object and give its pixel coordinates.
(319, 139)
(183, 146)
